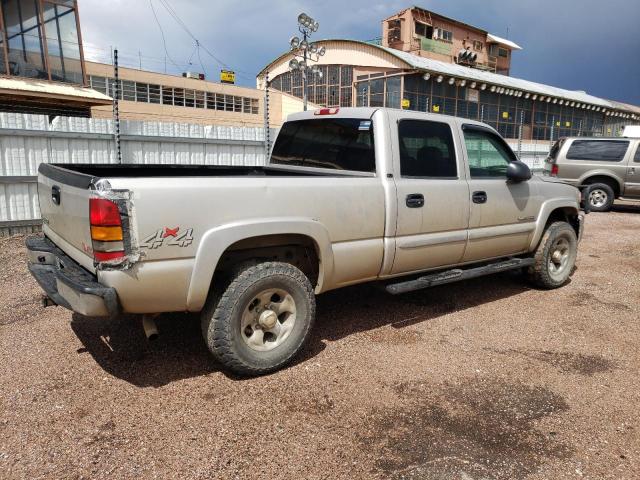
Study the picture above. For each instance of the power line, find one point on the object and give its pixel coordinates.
(182, 24)
(164, 41)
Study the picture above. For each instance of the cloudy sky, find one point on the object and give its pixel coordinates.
(591, 45)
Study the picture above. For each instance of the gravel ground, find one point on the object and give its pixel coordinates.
(478, 380)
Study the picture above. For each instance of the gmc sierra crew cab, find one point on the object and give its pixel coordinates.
(349, 196)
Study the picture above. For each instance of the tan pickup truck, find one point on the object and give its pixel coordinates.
(350, 195)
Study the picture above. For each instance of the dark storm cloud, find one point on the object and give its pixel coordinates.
(582, 45)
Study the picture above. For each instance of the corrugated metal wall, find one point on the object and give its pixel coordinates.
(28, 140)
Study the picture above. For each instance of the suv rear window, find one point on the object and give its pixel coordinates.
(603, 150)
(337, 143)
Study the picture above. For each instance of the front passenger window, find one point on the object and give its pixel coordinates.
(487, 154)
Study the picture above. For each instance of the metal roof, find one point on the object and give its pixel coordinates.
(480, 76)
(503, 41)
(33, 87)
(462, 72)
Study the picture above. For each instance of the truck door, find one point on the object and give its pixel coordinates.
(632, 181)
(432, 194)
(502, 214)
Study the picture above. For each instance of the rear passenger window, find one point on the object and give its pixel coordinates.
(426, 149)
(603, 150)
(637, 157)
(333, 143)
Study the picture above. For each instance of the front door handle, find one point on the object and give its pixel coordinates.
(415, 200)
(632, 171)
(479, 197)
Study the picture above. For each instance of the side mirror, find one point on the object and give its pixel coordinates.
(518, 171)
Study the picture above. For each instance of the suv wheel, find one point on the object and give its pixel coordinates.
(555, 256)
(261, 320)
(600, 197)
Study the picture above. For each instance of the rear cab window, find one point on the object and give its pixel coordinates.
(335, 144)
(598, 150)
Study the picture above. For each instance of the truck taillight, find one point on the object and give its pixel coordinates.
(106, 230)
(554, 170)
(327, 111)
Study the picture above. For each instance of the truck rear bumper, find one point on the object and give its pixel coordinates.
(67, 283)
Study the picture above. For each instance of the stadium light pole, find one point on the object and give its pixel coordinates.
(307, 52)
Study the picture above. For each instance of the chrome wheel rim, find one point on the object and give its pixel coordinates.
(598, 197)
(268, 319)
(559, 257)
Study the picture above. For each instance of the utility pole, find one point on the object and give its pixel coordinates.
(116, 109)
(267, 140)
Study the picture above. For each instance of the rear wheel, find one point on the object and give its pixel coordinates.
(555, 256)
(600, 197)
(261, 320)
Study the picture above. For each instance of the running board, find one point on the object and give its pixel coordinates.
(457, 274)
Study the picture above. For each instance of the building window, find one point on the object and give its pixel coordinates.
(333, 88)
(394, 31)
(129, 90)
(442, 34)
(503, 52)
(154, 94)
(28, 39)
(477, 45)
(142, 92)
(99, 84)
(424, 30)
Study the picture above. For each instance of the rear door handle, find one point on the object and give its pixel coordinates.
(415, 200)
(479, 197)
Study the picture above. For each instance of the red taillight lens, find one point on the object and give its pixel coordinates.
(554, 169)
(103, 212)
(106, 256)
(327, 111)
(106, 230)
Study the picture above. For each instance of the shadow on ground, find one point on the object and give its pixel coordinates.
(121, 349)
(626, 208)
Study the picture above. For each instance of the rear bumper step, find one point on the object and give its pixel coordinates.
(457, 274)
(68, 284)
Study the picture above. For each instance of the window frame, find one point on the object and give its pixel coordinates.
(453, 145)
(495, 135)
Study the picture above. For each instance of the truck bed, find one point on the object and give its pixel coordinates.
(85, 173)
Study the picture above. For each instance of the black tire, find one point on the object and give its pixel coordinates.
(600, 197)
(546, 272)
(225, 312)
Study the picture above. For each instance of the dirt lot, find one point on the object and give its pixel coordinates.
(479, 380)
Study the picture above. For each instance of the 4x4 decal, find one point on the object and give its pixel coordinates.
(168, 236)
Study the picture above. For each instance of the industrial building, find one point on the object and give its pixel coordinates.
(146, 95)
(431, 63)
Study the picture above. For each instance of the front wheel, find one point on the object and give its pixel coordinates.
(262, 319)
(555, 256)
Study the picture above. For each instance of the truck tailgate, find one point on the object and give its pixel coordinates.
(64, 206)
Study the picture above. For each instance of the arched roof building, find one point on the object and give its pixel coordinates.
(356, 73)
